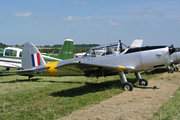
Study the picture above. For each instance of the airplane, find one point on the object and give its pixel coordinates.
(136, 43)
(10, 57)
(117, 60)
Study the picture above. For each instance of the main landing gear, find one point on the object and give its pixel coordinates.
(170, 70)
(127, 85)
(142, 81)
(175, 68)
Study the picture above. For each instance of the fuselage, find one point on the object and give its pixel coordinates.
(141, 59)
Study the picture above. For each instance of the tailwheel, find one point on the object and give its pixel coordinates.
(143, 82)
(176, 69)
(127, 86)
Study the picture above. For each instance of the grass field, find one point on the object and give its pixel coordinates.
(171, 110)
(54, 97)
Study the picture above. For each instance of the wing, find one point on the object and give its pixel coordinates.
(10, 62)
(87, 69)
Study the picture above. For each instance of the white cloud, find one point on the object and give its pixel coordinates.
(75, 18)
(23, 14)
(71, 18)
(144, 11)
(88, 18)
(147, 10)
(79, 2)
(110, 22)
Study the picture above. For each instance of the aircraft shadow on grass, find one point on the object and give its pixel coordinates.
(94, 87)
(88, 88)
(143, 87)
(24, 80)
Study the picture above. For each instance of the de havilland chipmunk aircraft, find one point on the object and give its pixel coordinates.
(116, 60)
(10, 57)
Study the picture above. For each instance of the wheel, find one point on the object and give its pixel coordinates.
(176, 69)
(143, 82)
(127, 86)
(170, 71)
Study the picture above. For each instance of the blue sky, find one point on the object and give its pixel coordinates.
(49, 22)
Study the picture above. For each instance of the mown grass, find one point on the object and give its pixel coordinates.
(171, 110)
(54, 97)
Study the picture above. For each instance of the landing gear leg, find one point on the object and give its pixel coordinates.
(174, 67)
(169, 70)
(142, 81)
(29, 78)
(125, 85)
(7, 69)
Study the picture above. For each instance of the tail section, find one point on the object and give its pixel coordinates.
(136, 43)
(67, 51)
(31, 57)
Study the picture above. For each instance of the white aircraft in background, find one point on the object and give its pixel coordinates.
(10, 57)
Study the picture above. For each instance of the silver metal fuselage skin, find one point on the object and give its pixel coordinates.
(175, 57)
(144, 60)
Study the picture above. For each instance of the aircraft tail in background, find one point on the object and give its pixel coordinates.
(67, 50)
(31, 57)
(136, 43)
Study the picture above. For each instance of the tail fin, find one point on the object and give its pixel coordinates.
(67, 51)
(31, 57)
(136, 43)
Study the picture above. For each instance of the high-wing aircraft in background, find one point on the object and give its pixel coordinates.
(116, 60)
(11, 57)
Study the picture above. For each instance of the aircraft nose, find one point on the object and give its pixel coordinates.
(171, 50)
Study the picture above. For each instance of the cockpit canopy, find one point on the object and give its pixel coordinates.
(113, 48)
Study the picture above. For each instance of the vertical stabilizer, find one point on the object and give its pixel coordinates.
(67, 51)
(137, 43)
(31, 57)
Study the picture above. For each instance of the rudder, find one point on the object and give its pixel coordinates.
(67, 51)
(31, 57)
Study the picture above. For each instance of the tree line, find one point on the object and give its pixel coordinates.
(55, 49)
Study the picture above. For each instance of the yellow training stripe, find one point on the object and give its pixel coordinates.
(50, 71)
(121, 68)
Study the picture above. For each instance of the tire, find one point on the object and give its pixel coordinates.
(176, 69)
(127, 86)
(143, 82)
(170, 71)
